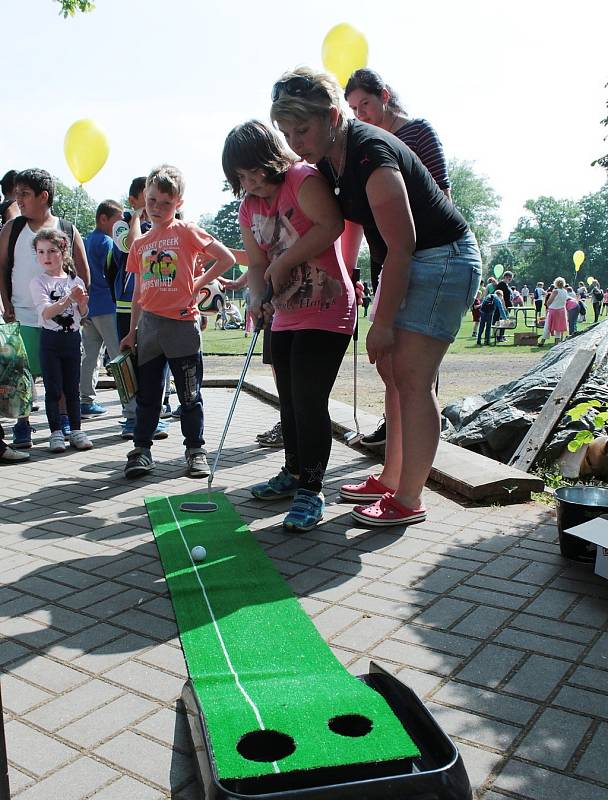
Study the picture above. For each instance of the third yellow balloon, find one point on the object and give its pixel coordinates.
(578, 257)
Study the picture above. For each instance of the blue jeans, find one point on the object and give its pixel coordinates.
(485, 324)
(573, 319)
(188, 375)
(60, 365)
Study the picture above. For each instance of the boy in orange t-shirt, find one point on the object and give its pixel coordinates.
(164, 319)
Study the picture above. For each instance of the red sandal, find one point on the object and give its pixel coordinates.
(371, 489)
(388, 511)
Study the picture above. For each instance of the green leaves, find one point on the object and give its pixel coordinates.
(475, 199)
(600, 420)
(70, 7)
(582, 408)
(581, 438)
(68, 200)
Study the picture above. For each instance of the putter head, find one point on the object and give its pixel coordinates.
(353, 438)
(198, 508)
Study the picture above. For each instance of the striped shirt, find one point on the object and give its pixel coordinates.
(420, 136)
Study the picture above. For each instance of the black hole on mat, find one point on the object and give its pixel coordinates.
(266, 746)
(351, 725)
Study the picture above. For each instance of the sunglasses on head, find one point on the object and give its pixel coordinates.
(298, 86)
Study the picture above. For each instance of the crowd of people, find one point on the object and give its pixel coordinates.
(558, 308)
(135, 282)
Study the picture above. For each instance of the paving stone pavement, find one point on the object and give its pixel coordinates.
(475, 609)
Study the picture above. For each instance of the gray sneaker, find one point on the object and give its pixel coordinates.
(139, 461)
(196, 463)
(272, 438)
(10, 456)
(57, 442)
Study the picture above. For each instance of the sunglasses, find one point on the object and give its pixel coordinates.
(298, 86)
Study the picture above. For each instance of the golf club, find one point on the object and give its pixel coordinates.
(352, 438)
(209, 506)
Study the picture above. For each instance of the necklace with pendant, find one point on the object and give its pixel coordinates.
(338, 175)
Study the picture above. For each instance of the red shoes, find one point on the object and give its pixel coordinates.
(388, 511)
(371, 489)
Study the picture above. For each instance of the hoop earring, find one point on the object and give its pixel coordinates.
(332, 134)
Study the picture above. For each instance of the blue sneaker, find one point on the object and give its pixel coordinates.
(91, 410)
(161, 431)
(306, 511)
(282, 485)
(65, 425)
(22, 435)
(128, 429)
(166, 410)
(177, 413)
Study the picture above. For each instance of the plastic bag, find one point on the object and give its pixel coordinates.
(15, 375)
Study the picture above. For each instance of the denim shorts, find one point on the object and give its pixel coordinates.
(443, 284)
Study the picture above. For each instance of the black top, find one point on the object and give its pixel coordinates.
(436, 220)
(506, 291)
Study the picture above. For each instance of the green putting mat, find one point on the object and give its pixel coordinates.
(267, 682)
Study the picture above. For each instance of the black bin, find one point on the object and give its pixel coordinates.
(575, 505)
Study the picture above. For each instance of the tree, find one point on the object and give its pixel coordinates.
(225, 225)
(70, 7)
(555, 226)
(504, 256)
(476, 200)
(602, 161)
(594, 234)
(66, 203)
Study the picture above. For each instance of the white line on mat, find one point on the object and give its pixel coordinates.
(237, 681)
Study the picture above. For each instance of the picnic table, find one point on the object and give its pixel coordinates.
(527, 313)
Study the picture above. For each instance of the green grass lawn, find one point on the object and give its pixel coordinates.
(234, 343)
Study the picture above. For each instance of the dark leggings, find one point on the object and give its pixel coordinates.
(60, 363)
(306, 364)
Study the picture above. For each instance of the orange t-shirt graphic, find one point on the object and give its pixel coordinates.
(165, 260)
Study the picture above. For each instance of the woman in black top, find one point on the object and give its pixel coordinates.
(372, 100)
(431, 271)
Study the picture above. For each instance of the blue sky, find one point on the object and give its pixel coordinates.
(516, 87)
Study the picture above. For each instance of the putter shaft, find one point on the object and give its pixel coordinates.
(256, 332)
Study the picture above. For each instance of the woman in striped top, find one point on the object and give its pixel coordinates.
(373, 101)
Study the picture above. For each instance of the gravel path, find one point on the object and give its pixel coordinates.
(461, 375)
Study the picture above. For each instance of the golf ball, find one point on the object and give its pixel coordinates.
(198, 553)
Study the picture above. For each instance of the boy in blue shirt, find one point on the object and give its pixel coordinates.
(99, 327)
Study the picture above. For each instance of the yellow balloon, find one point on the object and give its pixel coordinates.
(344, 50)
(86, 149)
(590, 280)
(578, 258)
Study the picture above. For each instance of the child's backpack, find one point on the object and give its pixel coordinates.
(488, 304)
(4, 206)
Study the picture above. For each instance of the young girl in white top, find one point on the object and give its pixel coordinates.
(61, 300)
(556, 323)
